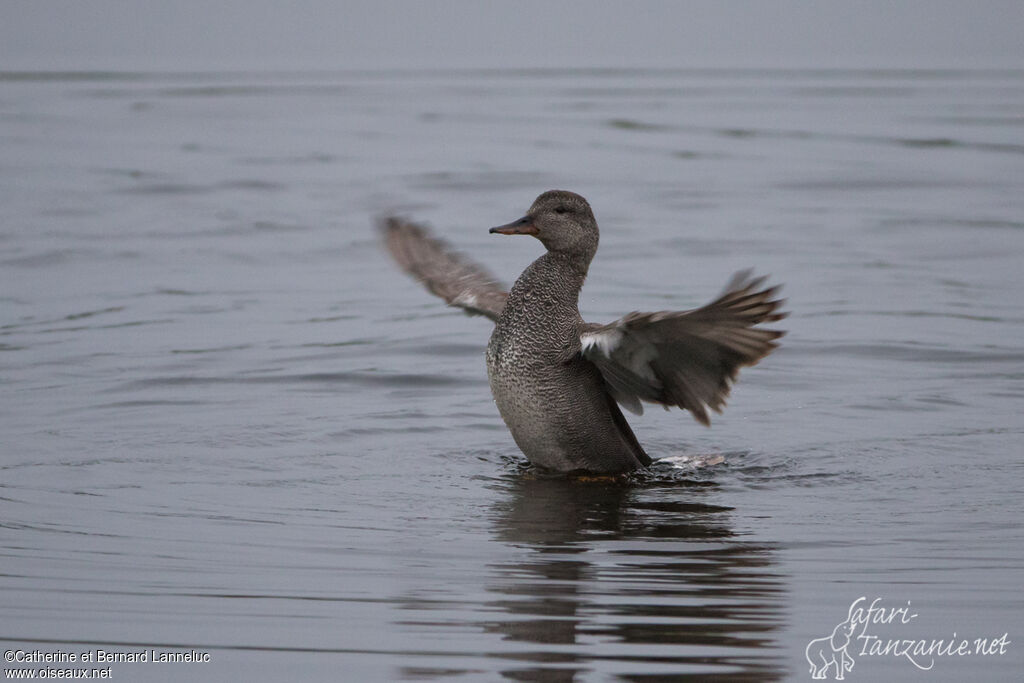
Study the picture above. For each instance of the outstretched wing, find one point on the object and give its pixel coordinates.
(442, 270)
(686, 358)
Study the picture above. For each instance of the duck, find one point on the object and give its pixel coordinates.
(559, 382)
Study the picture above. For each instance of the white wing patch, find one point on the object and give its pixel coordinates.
(604, 341)
(466, 299)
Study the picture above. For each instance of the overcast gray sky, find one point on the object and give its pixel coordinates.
(465, 33)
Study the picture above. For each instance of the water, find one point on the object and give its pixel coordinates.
(230, 425)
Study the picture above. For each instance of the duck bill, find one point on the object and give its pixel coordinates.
(523, 226)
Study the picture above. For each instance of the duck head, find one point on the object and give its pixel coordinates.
(562, 221)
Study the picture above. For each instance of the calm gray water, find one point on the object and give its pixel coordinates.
(229, 425)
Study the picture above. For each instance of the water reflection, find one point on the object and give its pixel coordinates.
(643, 582)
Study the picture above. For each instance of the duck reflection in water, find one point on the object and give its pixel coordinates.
(629, 580)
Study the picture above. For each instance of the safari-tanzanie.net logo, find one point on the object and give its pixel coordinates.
(875, 630)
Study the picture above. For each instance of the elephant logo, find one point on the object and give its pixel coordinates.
(830, 651)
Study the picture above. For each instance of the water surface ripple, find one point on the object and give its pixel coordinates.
(229, 425)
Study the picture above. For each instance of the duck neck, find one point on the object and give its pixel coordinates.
(572, 266)
(555, 276)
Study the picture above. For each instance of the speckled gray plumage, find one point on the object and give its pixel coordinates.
(556, 380)
(554, 401)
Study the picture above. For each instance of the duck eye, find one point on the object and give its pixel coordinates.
(561, 209)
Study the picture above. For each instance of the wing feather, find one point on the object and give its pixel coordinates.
(441, 269)
(687, 359)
